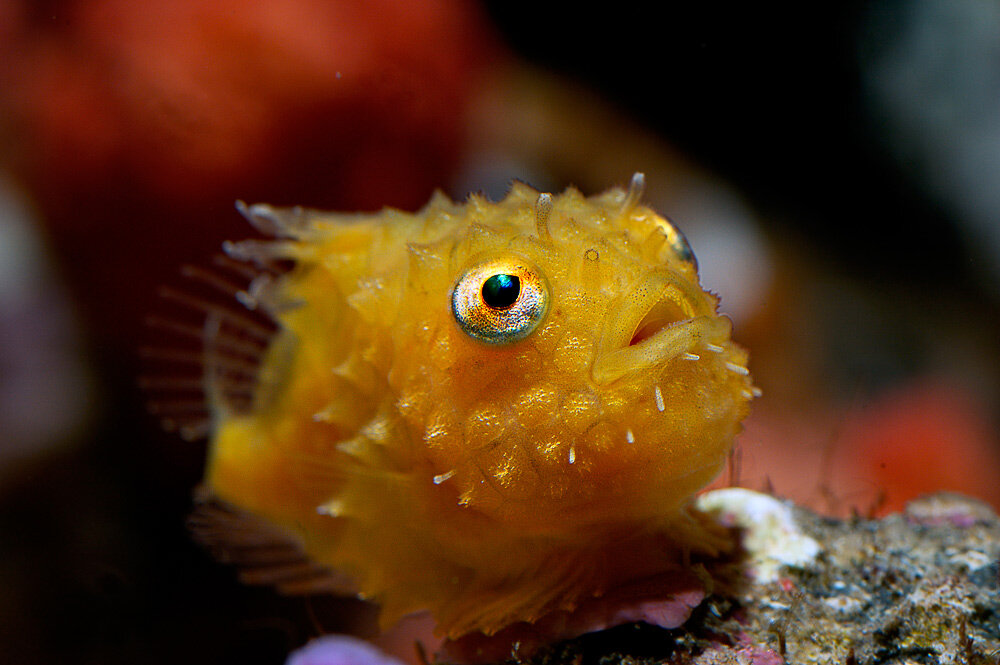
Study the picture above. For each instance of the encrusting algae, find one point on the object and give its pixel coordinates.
(490, 411)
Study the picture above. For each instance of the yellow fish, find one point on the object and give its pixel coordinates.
(490, 411)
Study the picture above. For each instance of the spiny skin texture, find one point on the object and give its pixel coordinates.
(488, 483)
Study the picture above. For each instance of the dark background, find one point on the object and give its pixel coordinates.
(773, 99)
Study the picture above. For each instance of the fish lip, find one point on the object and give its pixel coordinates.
(660, 317)
(672, 341)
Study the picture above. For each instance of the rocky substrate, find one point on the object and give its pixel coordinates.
(922, 586)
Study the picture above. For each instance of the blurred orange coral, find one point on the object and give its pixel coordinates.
(134, 126)
(920, 438)
(304, 101)
(925, 436)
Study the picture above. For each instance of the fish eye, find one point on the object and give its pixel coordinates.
(678, 243)
(500, 301)
(682, 248)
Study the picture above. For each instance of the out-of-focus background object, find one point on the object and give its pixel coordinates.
(135, 129)
(836, 174)
(931, 77)
(45, 384)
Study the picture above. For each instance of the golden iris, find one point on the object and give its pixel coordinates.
(500, 301)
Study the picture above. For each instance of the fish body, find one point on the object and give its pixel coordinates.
(486, 410)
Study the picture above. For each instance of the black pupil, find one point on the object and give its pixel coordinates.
(501, 290)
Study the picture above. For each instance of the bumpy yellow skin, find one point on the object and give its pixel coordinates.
(487, 483)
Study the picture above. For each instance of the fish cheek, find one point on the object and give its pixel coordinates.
(536, 404)
(700, 417)
(652, 449)
(443, 395)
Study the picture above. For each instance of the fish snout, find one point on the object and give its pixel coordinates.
(662, 316)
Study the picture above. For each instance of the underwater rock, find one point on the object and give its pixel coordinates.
(921, 586)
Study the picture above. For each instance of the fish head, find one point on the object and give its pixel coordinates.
(558, 365)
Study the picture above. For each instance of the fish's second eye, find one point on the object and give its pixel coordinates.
(501, 301)
(678, 243)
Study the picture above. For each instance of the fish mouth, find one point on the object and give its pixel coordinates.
(662, 316)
